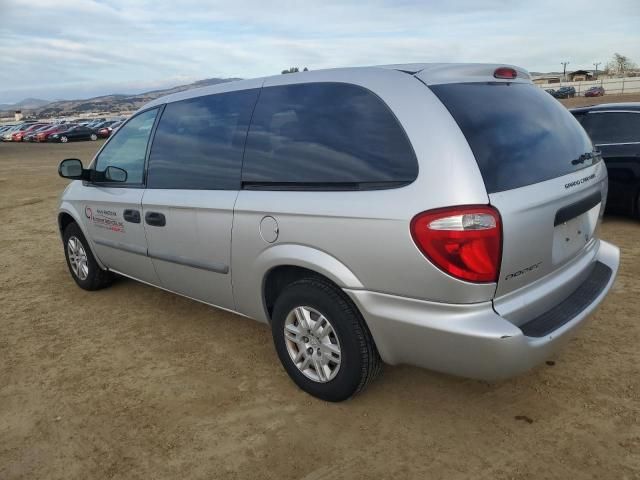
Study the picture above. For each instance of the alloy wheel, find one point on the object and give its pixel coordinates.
(312, 344)
(78, 258)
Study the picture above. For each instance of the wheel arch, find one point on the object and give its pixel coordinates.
(284, 264)
(64, 220)
(67, 214)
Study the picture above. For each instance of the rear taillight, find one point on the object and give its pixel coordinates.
(465, 242)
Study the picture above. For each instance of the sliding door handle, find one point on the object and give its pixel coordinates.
(155, 219)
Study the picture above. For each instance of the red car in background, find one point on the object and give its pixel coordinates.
(594, 92)
(43, 135)
(19, 135)
(105, 132)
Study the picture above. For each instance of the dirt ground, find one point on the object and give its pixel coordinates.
(133, 382)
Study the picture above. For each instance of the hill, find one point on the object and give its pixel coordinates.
(26, 104)
(114, 103)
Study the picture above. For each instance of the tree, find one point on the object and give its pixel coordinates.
(294, 70)
(619, 65)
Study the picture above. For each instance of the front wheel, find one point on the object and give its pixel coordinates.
(94, 137)
(64, 139)
(82, 264)
(322, 340)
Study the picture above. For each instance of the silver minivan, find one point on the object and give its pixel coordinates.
(438, 215)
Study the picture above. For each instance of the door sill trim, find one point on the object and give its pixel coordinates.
(125, 247)
(216, 268)
(181, 294)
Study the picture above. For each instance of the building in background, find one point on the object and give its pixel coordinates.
(580, 76)
(546, 79)
(18, 115)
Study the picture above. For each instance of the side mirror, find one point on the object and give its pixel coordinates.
(115, 174)
(71, 168)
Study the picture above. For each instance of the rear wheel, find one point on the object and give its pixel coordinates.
(94, 137)
(82, 264)
(322, 340)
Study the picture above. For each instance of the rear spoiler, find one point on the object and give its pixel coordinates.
(439, 73)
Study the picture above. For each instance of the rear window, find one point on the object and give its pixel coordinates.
(325, 136)
(518, 133)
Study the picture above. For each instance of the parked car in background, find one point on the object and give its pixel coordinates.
(73, 134)
(614, 129)
(104, 124)
(350, 239)
(550, 91)
(5, 128)
(18, 135)
(43, 135)
(565, 92)
(31, 135)
(105, 132)
(92, 123)
(594, 92)
(7, 136)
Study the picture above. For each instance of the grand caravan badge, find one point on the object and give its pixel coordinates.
(580, 181)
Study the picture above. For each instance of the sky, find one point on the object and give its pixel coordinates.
(59, 49)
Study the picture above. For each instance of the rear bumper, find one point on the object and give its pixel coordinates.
(473, 340)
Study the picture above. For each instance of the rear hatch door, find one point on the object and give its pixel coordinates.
(540, 171)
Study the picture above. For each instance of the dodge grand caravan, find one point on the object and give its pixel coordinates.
(438, 215)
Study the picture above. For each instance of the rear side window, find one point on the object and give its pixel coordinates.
(198, 143)
(325, 136)
(519, 134)
(613, 127)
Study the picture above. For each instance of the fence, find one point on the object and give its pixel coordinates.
(610, 85)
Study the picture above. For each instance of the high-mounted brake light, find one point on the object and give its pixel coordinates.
(506, 73)
(465, 242)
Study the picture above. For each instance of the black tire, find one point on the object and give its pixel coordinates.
(360, 362)
(96, 278)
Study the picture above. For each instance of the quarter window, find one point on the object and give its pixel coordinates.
(325, 136)
(613, 127)
(128, 148)
(199, 142)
